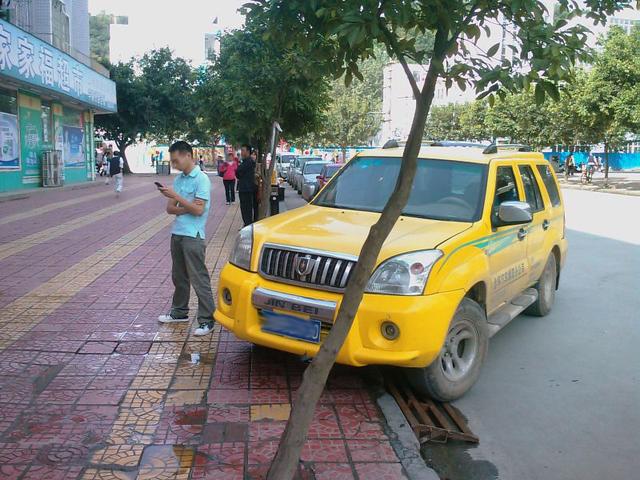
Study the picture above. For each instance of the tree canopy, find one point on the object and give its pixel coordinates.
(156, 100)
(253, 82)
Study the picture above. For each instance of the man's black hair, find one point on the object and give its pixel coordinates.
(247, 146)
(181, 147)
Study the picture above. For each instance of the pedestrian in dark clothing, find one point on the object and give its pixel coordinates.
(246, 185)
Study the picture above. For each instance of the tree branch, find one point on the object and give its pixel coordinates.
(401, 58)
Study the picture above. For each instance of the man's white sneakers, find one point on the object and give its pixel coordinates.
(170, 319)
(203, 329)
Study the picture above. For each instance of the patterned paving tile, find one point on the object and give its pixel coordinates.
(100, 390)
(119, 455)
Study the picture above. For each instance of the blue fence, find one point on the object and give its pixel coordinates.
(617, 161)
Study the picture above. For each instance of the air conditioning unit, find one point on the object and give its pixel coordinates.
(52, 168)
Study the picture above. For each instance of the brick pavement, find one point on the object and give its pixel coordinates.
(92, 387)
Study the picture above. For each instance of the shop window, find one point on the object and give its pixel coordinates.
(8, 102)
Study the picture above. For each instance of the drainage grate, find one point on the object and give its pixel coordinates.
(431, 421)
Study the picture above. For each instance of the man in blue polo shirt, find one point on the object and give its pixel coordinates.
(189, 201)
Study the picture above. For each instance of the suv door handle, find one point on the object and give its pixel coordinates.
(545, 225)
(522, 233)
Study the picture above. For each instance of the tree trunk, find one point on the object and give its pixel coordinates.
(344, 153)
(315, 376)
(122, 147)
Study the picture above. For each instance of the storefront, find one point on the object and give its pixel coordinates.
(47, 104)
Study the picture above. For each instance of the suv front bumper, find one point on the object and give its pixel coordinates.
(422, 321)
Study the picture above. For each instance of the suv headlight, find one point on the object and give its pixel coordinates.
(241, 253)
(404, 274)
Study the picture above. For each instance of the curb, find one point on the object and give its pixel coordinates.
(614, 191)
(19, 195)
(403, 440)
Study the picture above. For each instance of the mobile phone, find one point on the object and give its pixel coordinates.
(159, 185)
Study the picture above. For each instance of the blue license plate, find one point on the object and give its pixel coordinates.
(290, 326)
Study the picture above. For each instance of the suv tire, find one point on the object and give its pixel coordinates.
(546, 288)
(457, 367)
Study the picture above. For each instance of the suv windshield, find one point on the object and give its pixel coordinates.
(313, 168)
(442, 190)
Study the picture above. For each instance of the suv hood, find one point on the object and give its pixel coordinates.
(344, 231)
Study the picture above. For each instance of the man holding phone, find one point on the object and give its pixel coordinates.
(189, 201)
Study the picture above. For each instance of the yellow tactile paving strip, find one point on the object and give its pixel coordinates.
(164, 381)
(57, 205)
(11, 248)
(31, 308)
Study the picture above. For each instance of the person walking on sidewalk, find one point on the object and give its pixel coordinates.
(108, 155)
(247, 185)
(189, 201)
(228, 170)
(116, 170)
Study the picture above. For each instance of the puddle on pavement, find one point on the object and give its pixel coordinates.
(167, 458)
(452, 461)
(194, 417)
(196, 358)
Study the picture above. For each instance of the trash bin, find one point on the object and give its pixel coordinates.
(274, 203)
(163, 168)
(281, 194)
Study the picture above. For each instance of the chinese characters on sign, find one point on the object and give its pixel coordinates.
(27, 58)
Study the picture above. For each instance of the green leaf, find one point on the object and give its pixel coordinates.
(493, 50)
(539, 93)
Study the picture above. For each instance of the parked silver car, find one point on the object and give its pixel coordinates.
(309, 178)
(296, 180)
(283, 162)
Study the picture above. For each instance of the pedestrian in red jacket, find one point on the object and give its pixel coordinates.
(228, 170)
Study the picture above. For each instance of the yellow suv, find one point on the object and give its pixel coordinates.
(482, 239)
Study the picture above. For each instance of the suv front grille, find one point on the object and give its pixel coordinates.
(322, 270)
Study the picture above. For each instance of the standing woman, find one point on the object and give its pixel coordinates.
(228, 170)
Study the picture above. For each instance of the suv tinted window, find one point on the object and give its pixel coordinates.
(506, 187)
(531, 189)
(442, 190)
(550, 183)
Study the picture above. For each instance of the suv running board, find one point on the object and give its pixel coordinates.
(509, 311)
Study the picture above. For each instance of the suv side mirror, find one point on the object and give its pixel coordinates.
(514, 213)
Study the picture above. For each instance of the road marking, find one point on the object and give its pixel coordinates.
(24, 243)
(55, 206)
(21, 315)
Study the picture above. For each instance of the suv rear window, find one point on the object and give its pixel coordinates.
(550, 183)
(531, 188)
(442, 190)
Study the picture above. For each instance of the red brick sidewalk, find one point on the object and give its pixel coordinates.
(92, 387)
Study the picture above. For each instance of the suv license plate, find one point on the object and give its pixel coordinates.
(290, 326)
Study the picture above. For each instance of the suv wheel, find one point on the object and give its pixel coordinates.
(546, 288)
(458, 366)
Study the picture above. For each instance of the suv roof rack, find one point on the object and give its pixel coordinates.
(447, 143)
(514, 147)
(436, 143)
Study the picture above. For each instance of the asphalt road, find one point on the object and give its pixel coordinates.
(559, 396)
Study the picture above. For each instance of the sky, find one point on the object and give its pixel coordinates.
(180, 25)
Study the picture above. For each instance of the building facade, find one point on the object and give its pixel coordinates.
(48, 97)
(399, 104)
